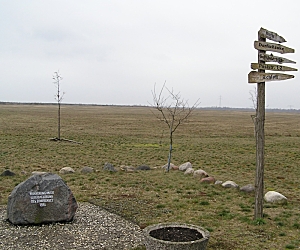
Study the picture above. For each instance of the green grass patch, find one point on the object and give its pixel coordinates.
(219, 142)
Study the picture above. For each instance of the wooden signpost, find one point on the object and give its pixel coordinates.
(255, 77)
(270, 58)
(259, 45)
(260, 77)
(273, 67)
(271, 35)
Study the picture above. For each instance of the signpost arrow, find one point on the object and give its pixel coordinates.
(272, 47)
(273, 67)
(270, 58)
(256, 77)
(271, 35)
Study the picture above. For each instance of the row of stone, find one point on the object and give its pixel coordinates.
(85, 170)
(187, 168)
(107, 167)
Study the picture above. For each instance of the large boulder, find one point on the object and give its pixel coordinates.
(275, 197)
(42, 198)
(185, 166)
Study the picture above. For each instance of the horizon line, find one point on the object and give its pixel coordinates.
(142, 105)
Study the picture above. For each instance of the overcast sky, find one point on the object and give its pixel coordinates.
(114, 51)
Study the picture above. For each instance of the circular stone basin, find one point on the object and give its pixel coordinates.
(175, 236)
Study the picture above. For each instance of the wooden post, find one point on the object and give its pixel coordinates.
(260, 78)
(260, 142)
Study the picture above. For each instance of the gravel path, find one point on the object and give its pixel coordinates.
(92, 228)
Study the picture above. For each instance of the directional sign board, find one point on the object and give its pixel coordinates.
(255, 77)
(272, 47)
(271, 35)
(270, 58)
(273, 67)
(260, 77)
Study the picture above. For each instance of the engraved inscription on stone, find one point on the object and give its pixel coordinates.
(41, 198)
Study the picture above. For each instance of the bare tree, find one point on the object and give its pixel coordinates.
(173, 110)
(253, 98)
(58, 97)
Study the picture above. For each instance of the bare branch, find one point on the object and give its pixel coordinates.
(57, 79)
(253, 97)
(173, 110)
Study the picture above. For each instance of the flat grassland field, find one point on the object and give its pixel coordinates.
(220, 142)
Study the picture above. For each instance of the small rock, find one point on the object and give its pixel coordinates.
(189, 171)
(185, 166)
(200, 174)
(218, 182)
(275, 197)
(172, 166)
(67, 170)
(128, 169)
(143, 167)
(38, 172)
(87, 170)
(208, 180)
(109, 167)
(7, 172)
(175, 168)
(248, 188)
(230, 184)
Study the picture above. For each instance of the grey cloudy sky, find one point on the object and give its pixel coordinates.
(114, 51)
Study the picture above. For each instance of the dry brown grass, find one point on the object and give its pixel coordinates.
(220, 142)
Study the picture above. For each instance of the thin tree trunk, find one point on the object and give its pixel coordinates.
(170, 150)
(58, 126)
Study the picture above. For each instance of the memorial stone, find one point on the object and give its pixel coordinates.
(42, 198)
